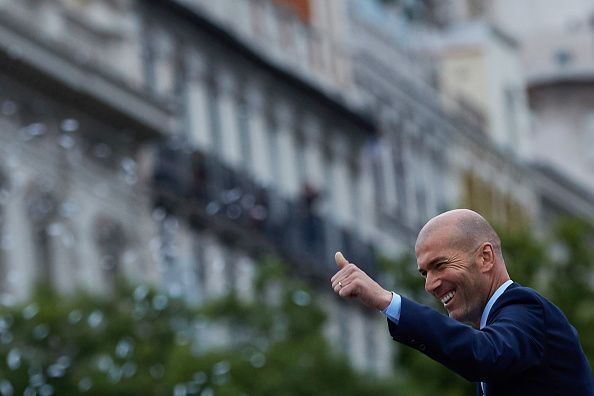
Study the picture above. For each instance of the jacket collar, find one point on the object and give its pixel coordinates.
(492, 301)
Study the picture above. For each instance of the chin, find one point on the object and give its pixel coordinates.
(460, 318)
(454, 316)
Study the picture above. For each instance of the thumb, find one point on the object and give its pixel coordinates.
(341, 262)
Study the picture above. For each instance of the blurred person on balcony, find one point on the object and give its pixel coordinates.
(310, 223)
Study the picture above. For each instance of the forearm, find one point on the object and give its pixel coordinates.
(474, 354)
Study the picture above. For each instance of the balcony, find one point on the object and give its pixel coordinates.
(198, 187)
(284, 38)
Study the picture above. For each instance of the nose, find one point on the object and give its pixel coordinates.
(432, 283)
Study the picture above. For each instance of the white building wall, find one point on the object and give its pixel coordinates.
(564, 130)
(508, 107)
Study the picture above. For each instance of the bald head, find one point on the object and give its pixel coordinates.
(463, 228)
(459, 254)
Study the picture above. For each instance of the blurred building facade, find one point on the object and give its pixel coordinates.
(533, 64)
(557, 52)
(180, 142)
(478, 169)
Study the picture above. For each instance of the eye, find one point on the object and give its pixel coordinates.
(439, 265)
(423, 274)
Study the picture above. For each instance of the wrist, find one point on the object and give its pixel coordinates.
(385, 300)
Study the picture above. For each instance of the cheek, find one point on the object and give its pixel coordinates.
(468, 287)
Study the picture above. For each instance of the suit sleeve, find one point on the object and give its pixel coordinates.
(511, 343)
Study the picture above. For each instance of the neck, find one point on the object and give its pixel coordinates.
(497, 282)
(499, 279)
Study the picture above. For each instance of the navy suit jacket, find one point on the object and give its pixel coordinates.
(528, 346)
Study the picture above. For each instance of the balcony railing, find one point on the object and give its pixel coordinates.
(280, 36)
(215, 196)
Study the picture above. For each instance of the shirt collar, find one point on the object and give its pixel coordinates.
(491, 302)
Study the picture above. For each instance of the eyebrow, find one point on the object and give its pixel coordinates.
(433, 262)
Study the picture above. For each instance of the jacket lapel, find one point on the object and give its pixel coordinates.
(493, 308)
(479, 391)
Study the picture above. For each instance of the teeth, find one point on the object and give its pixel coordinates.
(446, 299)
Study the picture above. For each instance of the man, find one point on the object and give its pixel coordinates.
(507, 338)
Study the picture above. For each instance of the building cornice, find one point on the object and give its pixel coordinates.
(333, 103)
(31, 59)
(560, 188)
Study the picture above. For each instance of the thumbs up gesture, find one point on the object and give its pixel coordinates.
(351, 282)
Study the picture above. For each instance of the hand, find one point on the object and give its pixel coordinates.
(351, 282)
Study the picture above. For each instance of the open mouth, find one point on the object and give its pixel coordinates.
(447, 298)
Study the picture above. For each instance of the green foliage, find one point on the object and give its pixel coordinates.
(95, 345)
(561, 268)
(296, 358)
(139, 341)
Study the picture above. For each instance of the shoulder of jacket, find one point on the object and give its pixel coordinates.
(519, 295)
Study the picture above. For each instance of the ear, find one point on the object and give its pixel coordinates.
(486, 257)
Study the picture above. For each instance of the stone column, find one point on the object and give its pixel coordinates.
(164, 65)
(198, 134)
(342, 188)
(215, 269)
(433, 178)
(17, 240)
(185, 266)
(288, 183)
(388, 176)
(62, 241)
(245, 277)
(358, 338)
(231, 150)
(257, 125)
(367, 205)
(410, 171)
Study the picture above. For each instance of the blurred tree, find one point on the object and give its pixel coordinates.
(562, 269)
(143, 342)
(85, 344)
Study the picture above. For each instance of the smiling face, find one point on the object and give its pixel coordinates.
(453, 274)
